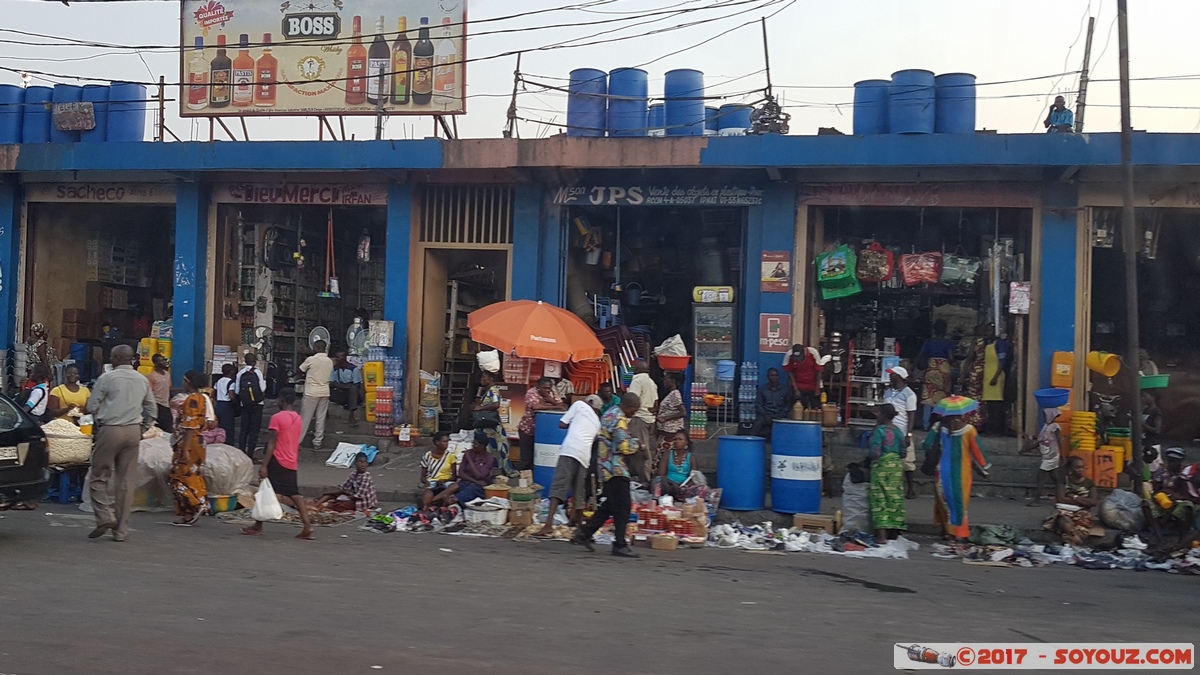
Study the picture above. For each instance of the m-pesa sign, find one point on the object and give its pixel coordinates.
(306, 194)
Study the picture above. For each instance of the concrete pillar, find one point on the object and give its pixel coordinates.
(191, 281)
(1055, 296)
(397, 264)
(528, 248)
(10, 268)
(771, 227)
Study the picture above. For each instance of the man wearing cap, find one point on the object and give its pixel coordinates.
(1181, 485)
(582, 422)
(904, 400)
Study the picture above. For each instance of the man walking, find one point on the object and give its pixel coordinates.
(316, 369)
(160, 386)
(616, 444)
(582, 422)
(249, 387)
(641, 423)
(122, 407)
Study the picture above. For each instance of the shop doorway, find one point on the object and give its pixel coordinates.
(95, 265)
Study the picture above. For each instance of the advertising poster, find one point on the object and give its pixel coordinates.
(774, 333)
(776, 271)
(327, 57)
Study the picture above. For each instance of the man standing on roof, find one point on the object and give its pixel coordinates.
(1060, 119)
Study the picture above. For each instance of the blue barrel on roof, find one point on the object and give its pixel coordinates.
(684, 108)
(65, 93)
(127, 107)
(871, 107)
(12, 99)
(795, 466)
(911, 102)
(548, 438)
(656, 119)
(628, 98)
(587, 103)
(955, 103)
(35, 122)
(733, 119)
(742, 472)
(97, 94)
(710, 121)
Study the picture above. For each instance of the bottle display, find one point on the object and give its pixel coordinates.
(197, 92)
(423, 54)
(356, 67)
(445, 72)
(221, 77)
(379, 61)
(266, 71)
(243, 74)
(401, 62)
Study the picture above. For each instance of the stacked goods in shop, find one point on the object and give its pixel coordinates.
(698, 422)
(747, 392)
(1084, 440)
(383, 411)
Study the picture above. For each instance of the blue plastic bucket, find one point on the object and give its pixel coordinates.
(35, 122)
(742, 472)
(911, 102)
(587, 107)
(98, 95)
(65, 93)
(1052, 398)
(11, 113)
(684, 111)
(955, 104)
(548, 438)
(871, 107)
(127, 107)
(726, 370)
(795, 466)
(628, 98)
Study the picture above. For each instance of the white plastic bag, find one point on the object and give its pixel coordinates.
(343, 456)
(266, 504)
(856, 511)
(489, 361)
(672, 346)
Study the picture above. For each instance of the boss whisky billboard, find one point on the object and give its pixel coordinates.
(327, 57)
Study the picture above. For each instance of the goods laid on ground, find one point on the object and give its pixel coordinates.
(1131, 556)
(766, 537)
(66, 443)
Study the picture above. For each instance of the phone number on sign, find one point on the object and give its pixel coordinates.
(1045, 656)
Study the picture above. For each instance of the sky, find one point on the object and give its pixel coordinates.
(818, 49)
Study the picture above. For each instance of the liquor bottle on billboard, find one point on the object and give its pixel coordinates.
(267, 70)
(423, 53)
(445, 71)
(356, 68)
(197, 94)
(220, 74)
(379, 61)
(401, 62)
(243, 74)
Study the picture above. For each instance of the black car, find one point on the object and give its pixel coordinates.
(23, 456)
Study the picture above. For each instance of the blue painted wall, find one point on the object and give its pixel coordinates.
(397, 264)
(191, 279)
(528, 249)
(1056, 297)
(10, 268)
(771, 227)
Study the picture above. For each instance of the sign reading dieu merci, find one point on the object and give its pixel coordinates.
(302, 194)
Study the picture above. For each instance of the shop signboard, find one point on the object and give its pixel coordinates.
(101, 193)
(305, 194)
(774, 333)
(325, 57)
(776, 271)
(1018, 297)
(981, 194)
(659, 195)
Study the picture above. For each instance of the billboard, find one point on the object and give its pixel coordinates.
(324, 57)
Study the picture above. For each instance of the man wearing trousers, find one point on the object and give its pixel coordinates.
(315, 406)
(123, 407)
(614, 445)
(252, 399)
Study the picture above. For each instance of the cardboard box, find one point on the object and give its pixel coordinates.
(75, 316)
(640, 540)
(76, 331)
(664, 542)
(520, 517)
(815, 523)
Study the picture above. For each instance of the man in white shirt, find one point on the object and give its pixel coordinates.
(904, 400)
(252, 399)
(641, 425)
(317, 369)
(582, 422)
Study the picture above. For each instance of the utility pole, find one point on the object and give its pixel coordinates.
(511, 129)
(766, 55)
(1130, 243)
(1083, 77)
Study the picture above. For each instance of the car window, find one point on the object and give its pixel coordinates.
(10, 416)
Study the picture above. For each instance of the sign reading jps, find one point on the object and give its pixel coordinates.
(310, 25)
(659, 195)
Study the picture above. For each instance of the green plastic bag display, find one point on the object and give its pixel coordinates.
(836, 273)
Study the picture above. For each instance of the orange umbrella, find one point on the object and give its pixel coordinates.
(534, 330)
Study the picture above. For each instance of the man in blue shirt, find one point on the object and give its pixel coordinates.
(345, 384)
(1060, 120)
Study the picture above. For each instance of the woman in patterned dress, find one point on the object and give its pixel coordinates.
(488, 420)
(885, 450)
(669, 419)
(972, 375)
(186, 476)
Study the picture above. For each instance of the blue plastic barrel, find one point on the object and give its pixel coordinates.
(35, 122)
(127, 107)
(871, 107)
(911, 102)
(741, 472)
(548, 438)
(65, 93)
(98, 95)
(11, 111)
(955, 104)
(710, 121)
(656, 119)
(587, 105)
(628, 97)
(683, 114)
(733, 119)
(795, 467)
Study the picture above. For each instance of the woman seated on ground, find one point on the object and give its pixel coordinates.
(1077, 493)
(676, 467)
(477, 469)
(356, 494)
(67, 397)
(439, 473)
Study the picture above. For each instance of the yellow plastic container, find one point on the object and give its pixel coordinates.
(1104, 363)
(372, 372)
(164, 348)
(1062, 370)
(147, 347)
(146, 370)
(370, 406)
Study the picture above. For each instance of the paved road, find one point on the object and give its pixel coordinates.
(210, 601)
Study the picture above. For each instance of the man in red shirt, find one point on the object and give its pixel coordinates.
(282, 461)
(804, 374)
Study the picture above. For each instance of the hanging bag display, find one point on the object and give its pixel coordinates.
(836, 273)
(921, 268)
(960, 271)
(875, 263)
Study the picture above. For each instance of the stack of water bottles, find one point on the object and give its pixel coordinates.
(698, 422)
(393, 377)
(747, 392)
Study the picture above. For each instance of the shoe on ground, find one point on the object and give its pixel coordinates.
(583, 540)
(118, 537)
(625, 553)
(99, 531)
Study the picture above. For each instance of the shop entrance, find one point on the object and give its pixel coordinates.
(96, 265)
(941, 310)
(284, 271)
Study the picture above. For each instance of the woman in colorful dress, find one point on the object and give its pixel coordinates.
(487, 415)
(972, 375)
(885, 452)
(935, 356)
(669, 418)
(960, 453)
(186, 476)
